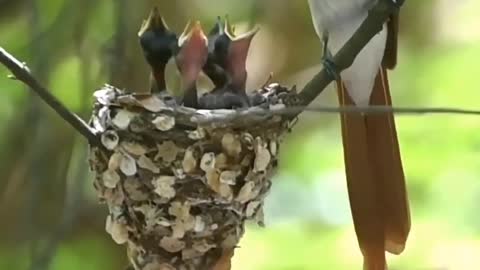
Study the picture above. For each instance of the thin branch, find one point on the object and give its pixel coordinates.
(21, 72)
(373, 24)
(259, 114)
(381, 109)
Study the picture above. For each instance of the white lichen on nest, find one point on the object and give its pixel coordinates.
(180, 183)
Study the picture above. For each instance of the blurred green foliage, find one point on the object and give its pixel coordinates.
(50, 218)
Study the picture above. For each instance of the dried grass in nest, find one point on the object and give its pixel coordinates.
(180, 183)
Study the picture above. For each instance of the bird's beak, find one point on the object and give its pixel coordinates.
(237, 57)
(194, 37)
(193, 52)
(218, 28)
(154, 22)
(245, 37)
(229, 28)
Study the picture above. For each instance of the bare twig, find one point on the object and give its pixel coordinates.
(373, 24)
(21, 72)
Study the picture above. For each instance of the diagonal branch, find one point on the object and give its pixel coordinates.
(21, 72)
(373, 24)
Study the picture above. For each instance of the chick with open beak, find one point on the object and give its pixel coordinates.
(191, 57)
(228, 53)
(159, 45)
(236, 61)
(226, 67)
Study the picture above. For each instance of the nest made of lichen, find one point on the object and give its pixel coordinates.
(180, 183)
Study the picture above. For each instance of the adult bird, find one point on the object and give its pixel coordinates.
(190, 59)
(374, 172)
(159, 44)
(226, 66)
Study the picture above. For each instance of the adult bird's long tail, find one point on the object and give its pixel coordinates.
(375, 178)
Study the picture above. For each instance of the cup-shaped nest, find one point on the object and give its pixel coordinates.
(180, 183)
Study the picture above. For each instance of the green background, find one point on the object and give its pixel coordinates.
(49, 216)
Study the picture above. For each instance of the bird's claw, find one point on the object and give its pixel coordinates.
(330, 66)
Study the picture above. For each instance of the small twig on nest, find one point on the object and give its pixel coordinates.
(21, 72)
(373, 24)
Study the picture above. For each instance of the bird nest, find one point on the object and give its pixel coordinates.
(180, 183)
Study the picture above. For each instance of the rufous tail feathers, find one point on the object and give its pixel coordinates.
(387, 164)
(375, 178)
